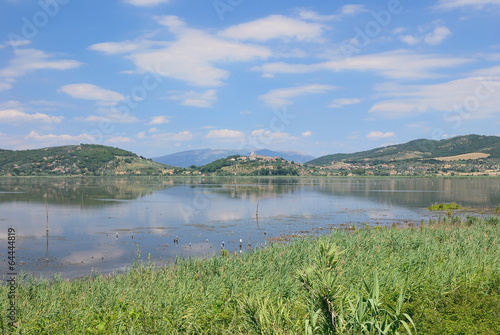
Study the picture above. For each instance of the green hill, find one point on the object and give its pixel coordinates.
(420, 149)
(84, 159)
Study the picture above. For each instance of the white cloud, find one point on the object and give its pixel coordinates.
(92, 92)
(422, 126)
(410, 39)
(141, 135)
(159, 120)
(353, 9)
(192, 56)
(467, 98)
(28, 60)
(146, 3)
(196, 99)
(263, 136)
(18, 43)
(52, 139)
(306, 14)
(113, 48)
(176, 137)
(275, 27)
(118, 140)
(391, 64)
(437, 36)
(307, 133)
(15, 116)
(434, 37)
(339, 103)
(110, 115)
(454, 4)
(377, 135)
(281, 97)
(225, 134)
(5, 86)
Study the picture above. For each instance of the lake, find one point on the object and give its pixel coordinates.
(101, 224)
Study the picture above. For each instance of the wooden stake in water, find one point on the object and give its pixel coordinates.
(47, 212)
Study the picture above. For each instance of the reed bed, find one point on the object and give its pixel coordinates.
(442, 277)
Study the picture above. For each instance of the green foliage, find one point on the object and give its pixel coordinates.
(83, 159)
(445, 276)
(422, 148)
(216, 165)
(444, 207)
(497, 210)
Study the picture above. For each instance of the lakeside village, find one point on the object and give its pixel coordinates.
(463, 165)
(255, 165)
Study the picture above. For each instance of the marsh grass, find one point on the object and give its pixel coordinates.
(445, 207)
(445, 276)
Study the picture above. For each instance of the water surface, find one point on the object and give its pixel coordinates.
(100, 224)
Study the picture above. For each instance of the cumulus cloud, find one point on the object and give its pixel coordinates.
(437, 36)
(124, 47)
(264, 136)
(194, 56)
(110, 115)
(16, 116)
(339, 103)
(196, 99)
(119, 140)
(391, 64)
(454, 4)
(471, 97)
(173, 137)
(159, 120)
(275, 27)
(28, 60)
(377, 135)
(225, 134)
(409, 39)
(92, 92)
(282, 96)
(353, 9)
(52, 139)
(307, 133)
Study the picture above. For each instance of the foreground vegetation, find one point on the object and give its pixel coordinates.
(440, 278)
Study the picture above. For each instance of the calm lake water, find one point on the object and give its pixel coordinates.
(100, 223)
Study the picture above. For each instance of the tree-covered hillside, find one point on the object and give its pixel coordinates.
(421, 148)
(84, 159)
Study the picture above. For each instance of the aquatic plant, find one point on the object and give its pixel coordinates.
(444, 207)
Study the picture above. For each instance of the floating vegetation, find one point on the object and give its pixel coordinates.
(445, 207)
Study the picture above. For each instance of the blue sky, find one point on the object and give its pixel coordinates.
(162, 76)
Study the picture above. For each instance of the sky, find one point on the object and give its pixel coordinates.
(320, 77)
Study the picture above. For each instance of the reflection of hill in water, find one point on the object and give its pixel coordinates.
(419, 192)
(77, 191)
(254, 188)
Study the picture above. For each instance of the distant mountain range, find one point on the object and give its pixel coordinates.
(420, 149)
(204, 156)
